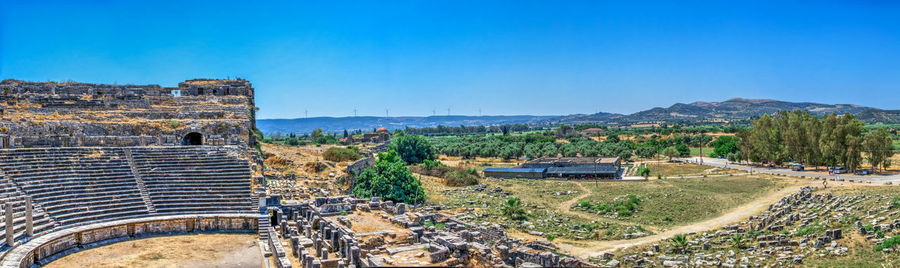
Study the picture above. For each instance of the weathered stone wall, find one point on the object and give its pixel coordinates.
(48, 114)
(89, 237)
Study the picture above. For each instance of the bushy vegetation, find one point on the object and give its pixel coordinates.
(831, 140)
(622, 207)
(680, 242)
(452, 176)
(513, 209)
(339, 154)
(724, 146)
(558, 143)
(643, 171)
(389, 179)
(413, 149)
(888, 243)
(466, 130)
(317, 137)
(528, 145)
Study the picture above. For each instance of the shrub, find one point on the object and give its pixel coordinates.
(513, 210)
(643, 171)
(622, 206)
(457, 178)
(432, 164)
(888, 243)
(809, 229)
(340, 154)
(623, 211)
(550, 237)
(737, 240)
(680, 242)
(292, 141)
(389, 179)
(452, 176)
(413, 149)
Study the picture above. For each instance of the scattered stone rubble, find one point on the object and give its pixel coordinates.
(292, 187)
(320, 233)
(800, 226)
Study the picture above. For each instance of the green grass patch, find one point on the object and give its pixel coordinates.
(695, 151)
(681, 201)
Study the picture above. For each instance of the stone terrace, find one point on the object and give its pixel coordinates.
(83, 185)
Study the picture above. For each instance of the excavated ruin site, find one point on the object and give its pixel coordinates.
(93, 167)
(88, 165)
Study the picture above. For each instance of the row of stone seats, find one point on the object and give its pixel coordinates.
(195, 179)
(76, 185)
(73, 186)
(11, 196)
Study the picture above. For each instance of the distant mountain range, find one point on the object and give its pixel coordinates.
(368, 123)
(733, 110)
(737, 110)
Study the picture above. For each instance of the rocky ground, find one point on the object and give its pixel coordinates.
(816, 226)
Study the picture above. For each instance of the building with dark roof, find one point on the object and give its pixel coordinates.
(562, 167)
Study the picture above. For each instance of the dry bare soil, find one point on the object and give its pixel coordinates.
(205, 250)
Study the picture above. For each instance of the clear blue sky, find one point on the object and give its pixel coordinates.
(505, 57)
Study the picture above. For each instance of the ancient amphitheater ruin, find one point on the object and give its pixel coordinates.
(84, 165)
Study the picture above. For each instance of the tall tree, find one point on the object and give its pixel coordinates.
(413, 149)
(670, 152)
(389, 179)
(878, 148)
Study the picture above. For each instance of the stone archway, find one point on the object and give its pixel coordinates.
(192, 138)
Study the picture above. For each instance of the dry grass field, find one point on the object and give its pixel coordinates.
(553, 206)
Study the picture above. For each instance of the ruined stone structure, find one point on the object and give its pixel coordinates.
(200, 111)
(51, 190)
(350, 232)
(82, 165)
(800, 226)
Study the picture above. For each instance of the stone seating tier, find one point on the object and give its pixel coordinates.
(75, 186)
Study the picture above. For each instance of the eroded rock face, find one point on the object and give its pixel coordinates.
(200, 111)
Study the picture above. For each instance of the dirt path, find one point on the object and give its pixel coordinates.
(586, 249)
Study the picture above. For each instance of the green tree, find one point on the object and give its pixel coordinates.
(613, 138)
(878, 148)
(683, 149)
(389, 179)
(413, 149)
(670, 152)
(724, 145)
(644, 171)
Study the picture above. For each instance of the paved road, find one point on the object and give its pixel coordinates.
(715, 162)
